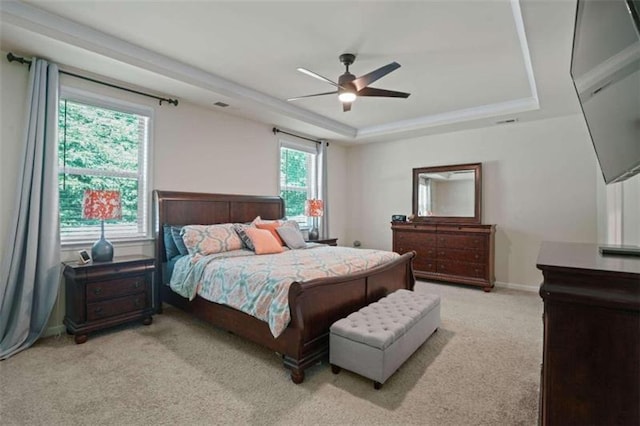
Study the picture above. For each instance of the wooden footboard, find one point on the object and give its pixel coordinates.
(317, 304)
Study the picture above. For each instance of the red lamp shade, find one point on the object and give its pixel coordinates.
(314, 208)
(101, 204)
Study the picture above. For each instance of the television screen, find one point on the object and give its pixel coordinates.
(605, 68)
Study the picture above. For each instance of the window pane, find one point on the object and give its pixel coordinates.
(100, 148)
(296, 168)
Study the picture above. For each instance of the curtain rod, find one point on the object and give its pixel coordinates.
(11, 58)
(276, 130)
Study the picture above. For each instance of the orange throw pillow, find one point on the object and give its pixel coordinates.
(271, 227)
(263, 241)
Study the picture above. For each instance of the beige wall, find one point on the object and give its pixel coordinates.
(538, 184)
(194, 149)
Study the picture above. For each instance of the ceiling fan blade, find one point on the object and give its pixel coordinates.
(372, 91)
(346, 106)
(318, 76)
(311, 96)
(367, 79)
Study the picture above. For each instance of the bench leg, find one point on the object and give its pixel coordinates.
(377, 385)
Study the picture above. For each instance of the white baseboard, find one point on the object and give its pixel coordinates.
(56, 330)
(523, 287)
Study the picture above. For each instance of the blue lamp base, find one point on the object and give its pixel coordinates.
(102, 250)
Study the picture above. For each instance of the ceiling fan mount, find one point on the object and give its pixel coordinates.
(349, 88)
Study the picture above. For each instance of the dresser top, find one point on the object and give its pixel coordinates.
(584, 257)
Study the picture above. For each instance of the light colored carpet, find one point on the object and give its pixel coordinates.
(482, 367)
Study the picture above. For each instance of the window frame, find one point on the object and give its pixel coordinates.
(145, 175)
(312, 189)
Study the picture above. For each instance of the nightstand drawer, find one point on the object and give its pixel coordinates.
(113, 307)
(114, 288)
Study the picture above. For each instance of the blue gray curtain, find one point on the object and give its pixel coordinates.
(321, 150)
(30, 273)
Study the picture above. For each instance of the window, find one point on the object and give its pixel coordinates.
(298, 178)
(102, 144)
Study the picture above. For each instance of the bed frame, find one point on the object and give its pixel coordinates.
(315, 304)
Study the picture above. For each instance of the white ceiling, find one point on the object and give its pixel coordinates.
(466, 63)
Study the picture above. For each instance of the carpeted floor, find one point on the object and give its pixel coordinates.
(482, 367)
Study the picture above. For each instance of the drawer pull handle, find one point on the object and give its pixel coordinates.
(441, 253)
(136, 303)
(97, 290)
(477, 256)
(98, 311)
(137, 284)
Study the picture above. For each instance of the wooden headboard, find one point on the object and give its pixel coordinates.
(193, 208)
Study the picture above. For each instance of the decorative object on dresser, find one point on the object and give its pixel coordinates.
(103, 205)
(314, 208)
(101, 295)
(446, 232)
(591, 346)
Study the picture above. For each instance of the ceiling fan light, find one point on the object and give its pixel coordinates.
(347, 97)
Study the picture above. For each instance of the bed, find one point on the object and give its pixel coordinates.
(314, 305)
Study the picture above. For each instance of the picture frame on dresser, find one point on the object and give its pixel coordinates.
(446, 231)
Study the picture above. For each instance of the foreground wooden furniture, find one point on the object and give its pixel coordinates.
(103, 294)
(458, 253)
(591, 354)
(314, 305)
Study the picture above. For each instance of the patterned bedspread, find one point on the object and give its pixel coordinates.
(259, 285)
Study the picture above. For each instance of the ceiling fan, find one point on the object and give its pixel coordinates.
(350, 87)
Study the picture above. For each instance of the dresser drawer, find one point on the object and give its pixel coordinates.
(109, 308)
(415, 239)
(424, 264)
(461, 241)
(466, 269)
(477, 256)
(114, 288)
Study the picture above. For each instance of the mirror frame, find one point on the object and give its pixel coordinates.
(475, 219)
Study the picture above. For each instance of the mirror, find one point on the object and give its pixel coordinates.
(447, 194)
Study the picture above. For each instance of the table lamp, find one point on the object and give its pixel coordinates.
(315, 209)
(103, 205)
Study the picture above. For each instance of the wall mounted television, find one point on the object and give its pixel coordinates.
(605, 68)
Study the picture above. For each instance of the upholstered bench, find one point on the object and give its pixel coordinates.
(378, 338)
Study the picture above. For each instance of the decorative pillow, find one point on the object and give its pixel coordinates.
(292, 237)
(241, 229)
(271, 227)
(264, 241)
(210, 239)
(170, 248)
(291, 223)
(178, 241)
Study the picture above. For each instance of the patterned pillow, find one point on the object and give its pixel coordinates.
(210, 239)
(177, 240)
(241, 229)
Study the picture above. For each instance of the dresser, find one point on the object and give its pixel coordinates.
(457, 253)
(591, 347)
(103, 294)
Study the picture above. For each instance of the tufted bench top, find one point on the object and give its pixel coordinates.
(383, 322)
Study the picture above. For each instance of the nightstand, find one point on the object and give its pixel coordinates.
(328, 241)
(103, 294)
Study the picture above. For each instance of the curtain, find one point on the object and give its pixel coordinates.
(30, 273)
(322, 155)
